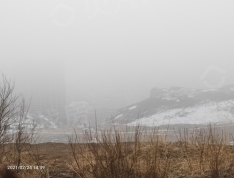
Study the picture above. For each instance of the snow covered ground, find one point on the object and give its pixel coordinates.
(133, 107)
(213, 112)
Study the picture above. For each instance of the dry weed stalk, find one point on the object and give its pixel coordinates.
(120, 154)
(142, 153)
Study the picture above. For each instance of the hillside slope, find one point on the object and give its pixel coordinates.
(178, 105)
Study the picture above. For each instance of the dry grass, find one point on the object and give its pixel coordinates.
(138, 153)
(197, 153)
(54, 156)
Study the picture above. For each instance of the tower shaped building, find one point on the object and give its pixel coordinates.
(48, 93)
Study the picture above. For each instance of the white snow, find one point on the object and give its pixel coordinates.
(202, 114)
(120, 115)
(212, 89)
(52, 124)
(94, 140)
(133, 107)
(43, 117)
(168, 98)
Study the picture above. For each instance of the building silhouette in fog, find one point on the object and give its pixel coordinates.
(48, 94)
(77, 114)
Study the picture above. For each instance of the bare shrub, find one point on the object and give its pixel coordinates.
(9, 105)
(199, 152)
(118, 154)
(205, 151)
(16, 139)
(23, 135)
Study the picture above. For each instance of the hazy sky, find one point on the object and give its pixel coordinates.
(120, 47)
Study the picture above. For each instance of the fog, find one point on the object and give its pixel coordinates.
(117, 49)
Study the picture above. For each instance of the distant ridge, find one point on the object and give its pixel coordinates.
(179, 105)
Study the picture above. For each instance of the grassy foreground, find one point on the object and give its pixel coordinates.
(138, 153)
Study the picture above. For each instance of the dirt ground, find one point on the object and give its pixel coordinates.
(52, 158)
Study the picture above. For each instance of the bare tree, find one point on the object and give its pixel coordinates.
(24, 134)
(13, 112)
(9, 105)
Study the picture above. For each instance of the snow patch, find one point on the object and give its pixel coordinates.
(208, 90)
(120, 115)
(133, 107)
(202, 114)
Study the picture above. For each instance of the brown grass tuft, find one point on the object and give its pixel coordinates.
(195, 153)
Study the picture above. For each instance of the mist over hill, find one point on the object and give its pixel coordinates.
(177, 105)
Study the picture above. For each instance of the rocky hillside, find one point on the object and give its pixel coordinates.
(177, 105)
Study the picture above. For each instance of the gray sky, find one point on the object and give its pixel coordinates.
(119, 48)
